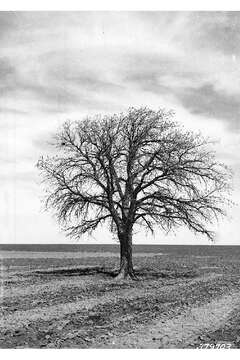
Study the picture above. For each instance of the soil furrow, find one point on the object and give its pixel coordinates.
(181, 331)
(23, 318)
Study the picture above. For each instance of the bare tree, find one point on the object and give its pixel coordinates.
(139, 168)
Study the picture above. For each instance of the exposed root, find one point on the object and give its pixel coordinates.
(126, 276)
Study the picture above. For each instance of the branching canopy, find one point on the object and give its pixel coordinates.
(138, 168)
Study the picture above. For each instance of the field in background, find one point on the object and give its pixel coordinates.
(61, 296)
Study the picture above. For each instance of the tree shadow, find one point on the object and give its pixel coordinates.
(165, 274)
(81, 271)
(141, 273)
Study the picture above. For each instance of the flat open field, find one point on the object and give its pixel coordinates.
(66, 297)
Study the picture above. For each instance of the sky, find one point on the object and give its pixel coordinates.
(57, 66)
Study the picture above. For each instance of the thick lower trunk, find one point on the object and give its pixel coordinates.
(126, 264)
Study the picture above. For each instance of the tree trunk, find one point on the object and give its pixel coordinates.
(126, 265)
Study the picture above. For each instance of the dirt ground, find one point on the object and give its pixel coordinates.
(181, 300)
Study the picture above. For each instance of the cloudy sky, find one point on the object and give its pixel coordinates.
(58, 66)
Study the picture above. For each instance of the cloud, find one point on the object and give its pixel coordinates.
(217, 30)
(7, 23)
(5, 68)
(199, 92)
(55, 82)
(70, 66)
(12, 111)
(157, 73)
(206, 101)
(7, 76)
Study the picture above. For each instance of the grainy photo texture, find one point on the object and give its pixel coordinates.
(120, 180)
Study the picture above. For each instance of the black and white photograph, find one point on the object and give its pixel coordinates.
(120, 179)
